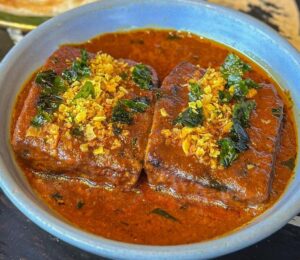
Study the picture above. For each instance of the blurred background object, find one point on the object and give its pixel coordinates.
(281, 15)
(40, 7)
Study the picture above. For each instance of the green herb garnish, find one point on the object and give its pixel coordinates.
(50, 82)
(79, 68)
(49, 103)
(228, 152)
(123, 111)
(252, 84)
(49, 100)
(46, 78)
(240, 89)
(41, 118)
(142, 76)
(121, 115)
(164, 214)
(239, 136)
(86, 91)
(137, 105)
(234, 68)
(224, 96)
(195, 92)
(238, 140)
(190, 117)
(242, 111)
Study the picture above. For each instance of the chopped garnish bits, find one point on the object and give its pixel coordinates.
(81, 103)
(211, 127)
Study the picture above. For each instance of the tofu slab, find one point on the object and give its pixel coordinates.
(170, 170)
(119, 167)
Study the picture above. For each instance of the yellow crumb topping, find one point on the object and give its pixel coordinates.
(202, 141)
(86, 105)
(163, 112)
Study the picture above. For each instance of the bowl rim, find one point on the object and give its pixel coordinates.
(111, 248)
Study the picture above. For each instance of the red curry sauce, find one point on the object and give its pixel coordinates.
(126, 216)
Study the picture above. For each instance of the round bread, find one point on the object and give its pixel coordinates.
(39, 7)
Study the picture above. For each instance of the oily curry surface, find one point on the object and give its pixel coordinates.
(143, 215)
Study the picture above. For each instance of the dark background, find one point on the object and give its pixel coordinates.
(22, 239)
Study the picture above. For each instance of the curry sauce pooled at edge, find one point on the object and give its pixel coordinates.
(204, 85)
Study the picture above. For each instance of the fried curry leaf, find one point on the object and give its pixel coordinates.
(195, 92)
(121, 115)
(58, 86)
(50, 82)
(224, 96)
(236, 143)
(41, 118)
(234, 68)
(163, 214)
(45, 78)
(190, 117)
(123, 111)
(242, 112)
(277, 112)
(137, 105)
(239, 136)
(79, 68)
(86, 91)
(70, 75)
(142, 76)
(252, 84)
(290, 163)
(49, 103)
(228, 151)
(240, 89)
(49, 100)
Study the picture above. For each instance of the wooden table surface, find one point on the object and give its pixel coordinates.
(22, 239)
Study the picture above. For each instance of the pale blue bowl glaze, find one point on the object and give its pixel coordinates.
(243, 33)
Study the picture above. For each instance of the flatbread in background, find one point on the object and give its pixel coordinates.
(281, 15)
(40, 7)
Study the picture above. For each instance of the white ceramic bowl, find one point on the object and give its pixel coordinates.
(247, 35)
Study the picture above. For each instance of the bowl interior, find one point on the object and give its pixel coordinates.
(231, 28)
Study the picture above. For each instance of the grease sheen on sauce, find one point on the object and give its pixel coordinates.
(126, 216)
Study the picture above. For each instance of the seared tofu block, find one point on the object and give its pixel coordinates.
(87, 116)
(210, 153)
